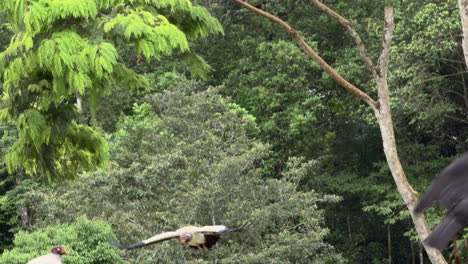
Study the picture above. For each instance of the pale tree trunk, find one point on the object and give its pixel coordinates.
(79, 104)
(409, 195)
(389, 243)
(25, 213)
(463, 5)
(381, 106)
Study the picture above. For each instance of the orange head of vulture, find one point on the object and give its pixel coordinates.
(185, 238)
(59, 250)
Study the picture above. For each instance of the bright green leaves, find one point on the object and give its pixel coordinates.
(63, 49)
(154, 35)
(60, 52)
(73, 62)
(173, 5)
(208, 24)
(43, 150)
(58, 157)
(43, 13)
(33, 127)
(15, 10)
(35, 16)
(190, 152)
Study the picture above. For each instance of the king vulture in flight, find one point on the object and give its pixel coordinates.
(450, 190)
(55, 257)
(196, 237)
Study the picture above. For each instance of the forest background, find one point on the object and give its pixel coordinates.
(231, 124)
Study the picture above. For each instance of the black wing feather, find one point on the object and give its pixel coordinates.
(450, 190)
(211, 240)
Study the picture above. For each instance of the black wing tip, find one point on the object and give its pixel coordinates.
(426, 201)
(444, 232)
(137, 245)
(230, 229)
(436, 242)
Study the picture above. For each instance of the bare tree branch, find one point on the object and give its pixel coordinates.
(300, 41)
(357, 39)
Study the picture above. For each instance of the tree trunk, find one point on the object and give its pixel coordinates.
(463, 5)
(381, 107)
(349, 229)
(25, 213)
(79, 104)
(389, 244)
(410, 196)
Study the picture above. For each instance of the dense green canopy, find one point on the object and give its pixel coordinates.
(62, 50)
(261, 138)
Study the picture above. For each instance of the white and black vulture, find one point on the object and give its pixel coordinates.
(196, 237)
(55, 257)
(450, 190)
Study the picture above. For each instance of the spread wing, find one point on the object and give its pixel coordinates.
(219, 229)
(153, 239)
(213, 229)
(449, 187)
(161, 237)
(455, 221)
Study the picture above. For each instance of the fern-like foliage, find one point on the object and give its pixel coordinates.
(62, 48)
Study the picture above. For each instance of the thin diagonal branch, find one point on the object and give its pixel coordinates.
(325, 66)
(357, 39)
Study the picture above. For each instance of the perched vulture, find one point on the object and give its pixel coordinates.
(450, 190)
(196, 237)
(53, 258)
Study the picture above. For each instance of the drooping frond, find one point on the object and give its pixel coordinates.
(59, 52)
(45, 12)
(206, 24)
(20, 42)
(32, 126)
(73, 147)
(61, 48)
(153, 35)
(196, 64)
(15, 10)
(128, 78)
(101, 58)
(173, 5)
(14, 74)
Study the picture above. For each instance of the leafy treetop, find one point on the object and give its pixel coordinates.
(66, 49)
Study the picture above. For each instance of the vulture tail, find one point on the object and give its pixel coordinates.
(444, 232)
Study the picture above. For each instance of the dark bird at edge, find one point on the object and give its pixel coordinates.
(450, 190)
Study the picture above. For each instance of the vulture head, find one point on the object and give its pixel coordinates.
(185, 238)
(59, 250)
